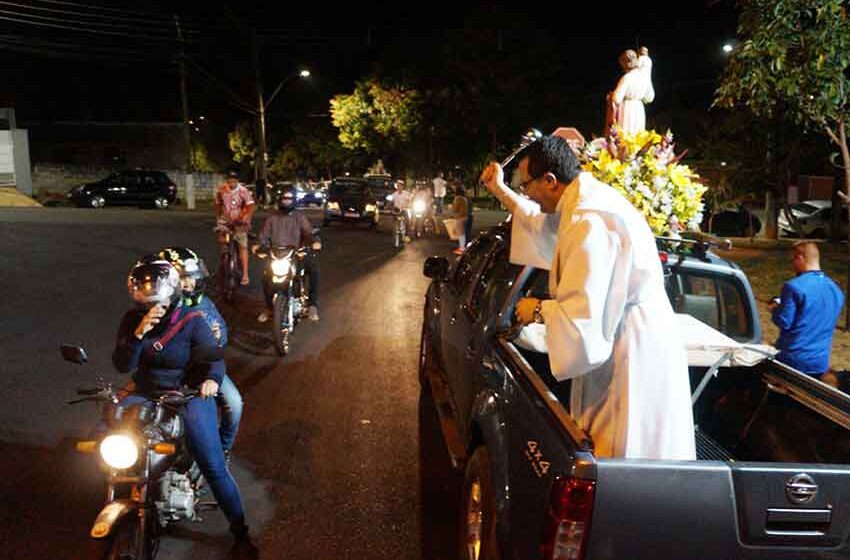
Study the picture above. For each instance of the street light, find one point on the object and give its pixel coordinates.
(262, 106)
(728, 48)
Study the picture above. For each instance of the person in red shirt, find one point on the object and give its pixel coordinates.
(234, 207)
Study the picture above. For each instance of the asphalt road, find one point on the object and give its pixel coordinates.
(337, 456)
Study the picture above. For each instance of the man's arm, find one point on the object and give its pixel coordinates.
(493, 177)
(582, 320)
(784, 314)
(306, 230)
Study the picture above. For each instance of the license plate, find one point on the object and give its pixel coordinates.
(352, 214)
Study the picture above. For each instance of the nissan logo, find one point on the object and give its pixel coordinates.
(801, 489)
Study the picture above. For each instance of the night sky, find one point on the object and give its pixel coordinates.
(105, 61)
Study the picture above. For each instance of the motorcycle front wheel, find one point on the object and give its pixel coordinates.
(282, 323)
(122, 544)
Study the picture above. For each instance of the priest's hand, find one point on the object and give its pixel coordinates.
(493, 177)
(525, 310)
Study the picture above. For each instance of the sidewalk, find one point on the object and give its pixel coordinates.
(10, 196)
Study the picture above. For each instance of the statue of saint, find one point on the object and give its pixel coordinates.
(625, 103)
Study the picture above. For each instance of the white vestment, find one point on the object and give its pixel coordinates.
(610, 327)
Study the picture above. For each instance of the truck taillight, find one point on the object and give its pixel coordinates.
(568, 519)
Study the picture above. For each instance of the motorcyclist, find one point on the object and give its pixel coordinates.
(289, 227)
(193, 279)
(159, 314)
(422, 204)
(401, 202)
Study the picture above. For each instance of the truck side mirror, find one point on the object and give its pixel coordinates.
(435, 267)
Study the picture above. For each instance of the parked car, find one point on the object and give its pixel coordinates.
(772, 443)
(813, 218)
(732, 221)
(130, 187)
(351, 199)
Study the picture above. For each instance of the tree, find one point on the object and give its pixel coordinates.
(375, 117)
(241, 142)
(201, 158)
(794, 57)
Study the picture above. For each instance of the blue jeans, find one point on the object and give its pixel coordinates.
(231, 412)
(200, 416)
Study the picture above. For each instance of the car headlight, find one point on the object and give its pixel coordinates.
(320, 195)
(299, 195)
(119, 451)
(370, 208)
(281, 266)
(418, 205)
(333, 206)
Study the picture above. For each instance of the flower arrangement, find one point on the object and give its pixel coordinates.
(645, 168)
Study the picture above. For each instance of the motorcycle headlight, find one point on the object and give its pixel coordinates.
(333, 206)
(418, 205)
(370, 208)
(280, 267)
(389, 197)
(119, 451)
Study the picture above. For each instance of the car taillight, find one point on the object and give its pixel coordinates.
(568, 519)
(663, 256)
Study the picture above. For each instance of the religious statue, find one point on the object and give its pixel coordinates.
(625, 106)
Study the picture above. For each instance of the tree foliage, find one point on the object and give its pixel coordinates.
(201, 160)
(241, 142)
(376, 117)
(794, 58)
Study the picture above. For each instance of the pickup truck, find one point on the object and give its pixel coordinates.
(770, 479)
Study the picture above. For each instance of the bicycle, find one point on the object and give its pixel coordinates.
(228, 274)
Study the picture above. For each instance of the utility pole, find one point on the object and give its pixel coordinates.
(261, 110)
(187, 135)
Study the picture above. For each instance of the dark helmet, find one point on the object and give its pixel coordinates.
(287, 198)
(188, 263)
(153, 281)
(232, 174)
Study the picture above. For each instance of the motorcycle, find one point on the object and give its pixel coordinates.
(421, 220)
(152, 479)
(285, 279)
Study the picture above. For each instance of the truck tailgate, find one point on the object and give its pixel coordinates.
(717, 510)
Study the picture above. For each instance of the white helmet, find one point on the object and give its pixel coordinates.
(154, 281)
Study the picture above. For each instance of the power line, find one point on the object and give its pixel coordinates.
(104, 8)
(136, 20)
(96, 49)
(235, 100)
(83, 29)
(97, 24)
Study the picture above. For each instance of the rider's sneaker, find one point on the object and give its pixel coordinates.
(313, 313)
(263, 316)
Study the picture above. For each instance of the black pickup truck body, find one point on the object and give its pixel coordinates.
(770, 480)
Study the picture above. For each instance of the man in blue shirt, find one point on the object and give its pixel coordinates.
(806, 313)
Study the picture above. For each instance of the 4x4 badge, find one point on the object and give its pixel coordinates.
(535, 457)
(801, 489)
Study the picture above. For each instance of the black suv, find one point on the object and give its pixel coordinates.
(129, 187)
(351, 199)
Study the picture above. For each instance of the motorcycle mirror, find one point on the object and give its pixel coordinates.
(435, 267)
(72, 353)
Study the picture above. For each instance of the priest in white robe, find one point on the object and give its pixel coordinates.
(609, 325)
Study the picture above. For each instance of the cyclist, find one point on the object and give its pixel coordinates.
(289, 227)
(234, 207)
(193, 278)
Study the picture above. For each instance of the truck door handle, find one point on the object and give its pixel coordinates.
(789, 521)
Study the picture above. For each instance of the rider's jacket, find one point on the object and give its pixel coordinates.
(286, 230)
(165, 368)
